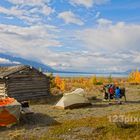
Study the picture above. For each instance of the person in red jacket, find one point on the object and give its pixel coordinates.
(111, 91)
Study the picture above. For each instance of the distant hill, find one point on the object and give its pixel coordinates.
(131, 70)
(17, 60)
(47, 68)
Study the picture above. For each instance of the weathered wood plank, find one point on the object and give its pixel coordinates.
(30, 97)
(2, 88)
(27, 83)
(2, 85)
(28, 78)
(27, 91)
(30, 94)
(22, 87)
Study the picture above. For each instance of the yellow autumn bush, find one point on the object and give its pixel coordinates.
(134, 77)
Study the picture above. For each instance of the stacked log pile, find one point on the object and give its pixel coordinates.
(2, 87)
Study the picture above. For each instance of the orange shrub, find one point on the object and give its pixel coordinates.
(60, 83)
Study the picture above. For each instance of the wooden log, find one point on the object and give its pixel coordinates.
(25, 76)
(28, 81)
(29, 97)
(26, 87)
(33, 95)
(26, 91)
(2, 88)
(29, 75)
(1, 92)
(28, 78)
(2, 84)
(30, 94)
(27, 84)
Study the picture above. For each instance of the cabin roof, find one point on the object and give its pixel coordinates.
(8, 70)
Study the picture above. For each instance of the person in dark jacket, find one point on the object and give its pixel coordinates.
(123, 93)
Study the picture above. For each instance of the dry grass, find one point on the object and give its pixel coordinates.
(88, 123)
(100, 128)
(89, 128)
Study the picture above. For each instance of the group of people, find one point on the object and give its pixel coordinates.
(111, 91)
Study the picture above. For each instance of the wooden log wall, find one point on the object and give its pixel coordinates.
(28, 84)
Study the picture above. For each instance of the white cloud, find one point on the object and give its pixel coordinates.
(104, 22)
(46, 10)
(109, 44)
(27, 2)
(70, 17)
(97, 55)
(3, 61)
(12, 11)
(88, 3)
(28, 42)
(97, 15)
(112, 37)
(136, 57)
(106, 46)
(7, 61)
(30, 15)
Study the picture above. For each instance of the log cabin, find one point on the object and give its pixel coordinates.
(23, 83)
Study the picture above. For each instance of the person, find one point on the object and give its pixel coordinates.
(106, 91)
(117, 94)
(123, 93)
(111, 91)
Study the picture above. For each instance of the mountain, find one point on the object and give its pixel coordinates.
(16, 61)
(8, 60)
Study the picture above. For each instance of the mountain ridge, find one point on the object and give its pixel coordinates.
(23, 61)
(47, 68)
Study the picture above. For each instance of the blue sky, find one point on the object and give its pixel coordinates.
(77, 35)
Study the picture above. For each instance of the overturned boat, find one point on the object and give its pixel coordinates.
(10, 110)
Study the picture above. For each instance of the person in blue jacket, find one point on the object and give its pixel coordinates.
(117, 93)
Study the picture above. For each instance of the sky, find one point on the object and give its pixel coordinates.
(72, 35)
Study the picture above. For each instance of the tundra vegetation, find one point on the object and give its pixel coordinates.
(90, 123)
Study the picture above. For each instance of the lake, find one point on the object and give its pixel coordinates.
(88, 75)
